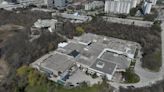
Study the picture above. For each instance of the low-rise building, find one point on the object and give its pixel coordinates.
(49, 3)
(75, 18)
(129, 21)
(29, 2)
(46, 23)
(55, 65)
(93, 54)
(9, 6)
(93, 5)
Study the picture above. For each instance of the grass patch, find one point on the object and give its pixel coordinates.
(133, 63)
(153, 62)
(37, 88)
(33, 81)
(130, 76)
(49, 88)
(95, 88)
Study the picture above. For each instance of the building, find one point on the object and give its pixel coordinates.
(49, 3)
(119, 6)
(1, 1)
(153, 2)
(45, 25)
(147, 7)
(9, 6)
(74, 18)
(94, 54)
(28, 2)
(56, 65)
(129, 21)
(93, 5)
(133, 3)
(50, 24)
(139, 1)
(60, 3)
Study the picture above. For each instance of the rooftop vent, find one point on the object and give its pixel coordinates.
(105, 38)
(116, 55)
(94, 40)
(100, 64)
(86, 49)
(128, 50)
(74, 53)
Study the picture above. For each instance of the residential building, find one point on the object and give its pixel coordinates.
(119, 6)
(133, 3)
(60, 3)
(147, 7)
(28, 2)
(93, 5)
(49, 3)
(153, 2)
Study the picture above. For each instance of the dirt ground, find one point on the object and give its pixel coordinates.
(6, 31)
(3, 69)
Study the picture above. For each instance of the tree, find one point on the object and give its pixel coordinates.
(23, 70)
(133, 11)
(130, 76)
(156, 26)
(149, 17)
(33, 78)
(152, 61)
(79, 31)
(122, 15)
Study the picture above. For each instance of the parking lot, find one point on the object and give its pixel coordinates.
(80, 76)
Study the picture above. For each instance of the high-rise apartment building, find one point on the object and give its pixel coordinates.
(153, 2)
(119, 6)
(147, 7)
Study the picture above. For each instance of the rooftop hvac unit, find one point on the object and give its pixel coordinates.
(100, 64)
